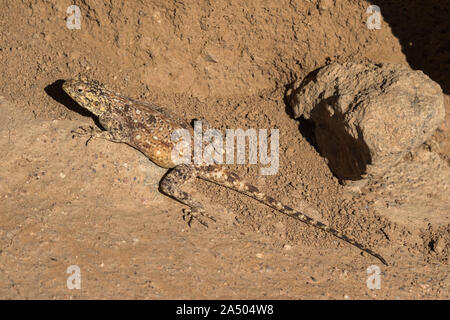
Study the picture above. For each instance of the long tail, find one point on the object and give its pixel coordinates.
(231, 180)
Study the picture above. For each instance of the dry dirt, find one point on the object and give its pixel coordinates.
(96, 206)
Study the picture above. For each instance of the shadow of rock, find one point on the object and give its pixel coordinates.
(423, 29)
(348, 157)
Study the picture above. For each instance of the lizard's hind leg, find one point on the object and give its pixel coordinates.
(171, 185)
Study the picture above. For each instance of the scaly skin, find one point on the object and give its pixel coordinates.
(148, 128)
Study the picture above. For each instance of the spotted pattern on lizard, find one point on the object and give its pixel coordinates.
(148, 128)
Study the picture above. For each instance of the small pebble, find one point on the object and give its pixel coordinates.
(325, 4)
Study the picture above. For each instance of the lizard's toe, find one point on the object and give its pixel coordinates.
(196, 213)
(92, 133)
(85, 131)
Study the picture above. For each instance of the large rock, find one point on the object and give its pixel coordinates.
(368, 116)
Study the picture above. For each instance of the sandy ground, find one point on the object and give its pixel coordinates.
(97, 206)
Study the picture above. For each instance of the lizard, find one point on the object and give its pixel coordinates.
(148, 128)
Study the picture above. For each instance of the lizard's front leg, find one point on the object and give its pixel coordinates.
(172, 183)
(96, 133)
(93, 133)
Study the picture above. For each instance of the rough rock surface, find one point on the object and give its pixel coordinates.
(368, 116)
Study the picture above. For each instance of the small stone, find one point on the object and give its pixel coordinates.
(424, 286)
(280, 226)
(290, 151)
(325, 4)
(344, 274)
(259, 255)
(439, 245)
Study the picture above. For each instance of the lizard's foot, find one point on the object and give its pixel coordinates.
(92, 133)
(86, 131)
(196, 213)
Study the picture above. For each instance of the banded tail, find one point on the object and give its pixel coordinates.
(232, 181)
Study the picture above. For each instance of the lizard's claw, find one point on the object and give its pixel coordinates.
(84, 131)
(196, 213)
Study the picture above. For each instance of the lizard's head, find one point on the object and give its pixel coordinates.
(87, 93)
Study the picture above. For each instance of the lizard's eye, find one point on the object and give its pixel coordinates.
(80, 90)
